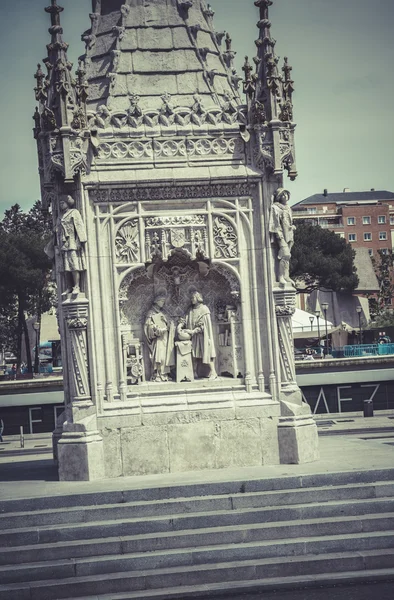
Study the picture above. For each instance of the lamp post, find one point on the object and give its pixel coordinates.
(317, 313)
(358, 311)
(36, 327)
(325, 309)
(311, 319)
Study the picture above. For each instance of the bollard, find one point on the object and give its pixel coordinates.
(368, 409)
(22, 437)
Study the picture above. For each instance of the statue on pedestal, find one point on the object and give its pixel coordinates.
(198, 322)
(282, 229)
(71, 238)
(159, 332)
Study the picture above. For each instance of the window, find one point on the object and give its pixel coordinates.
(312, 211)
(367, 237)
(391, 219)
(352, 237)
(366, 220)
(57, 411)
(382, 235)
(370, 251)
(351, 220)
(35, 416)
(340, 233)
(382, 219)
(384, 250)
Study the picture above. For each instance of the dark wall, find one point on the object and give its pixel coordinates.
(15, 416)
(335, 397)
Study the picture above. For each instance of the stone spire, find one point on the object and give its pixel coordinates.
(269, 97)
(165, 53)
(60, 118)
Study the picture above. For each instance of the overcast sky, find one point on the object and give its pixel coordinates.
(342, 52)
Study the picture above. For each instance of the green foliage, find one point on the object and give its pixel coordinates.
(321, 259)
(24, 273)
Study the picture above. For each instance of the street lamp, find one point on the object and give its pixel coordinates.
(317, 313)
(36, 327)
(325, 309)
(358, 311)
(311, 319)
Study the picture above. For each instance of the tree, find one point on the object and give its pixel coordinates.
(379, 303)
(24, 274)
(322, 259)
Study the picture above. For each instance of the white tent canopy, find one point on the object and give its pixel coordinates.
(304, 327)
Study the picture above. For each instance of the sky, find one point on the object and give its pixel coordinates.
(342, 52)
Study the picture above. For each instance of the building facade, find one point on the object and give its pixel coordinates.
(364, 219)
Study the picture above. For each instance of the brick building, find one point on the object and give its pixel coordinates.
(364, 219)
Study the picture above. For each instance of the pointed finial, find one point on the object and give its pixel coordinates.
(81, 85)
(249, 82)
(54, 10)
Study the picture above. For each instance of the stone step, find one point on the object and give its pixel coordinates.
(213, 536)
(224, 502)
(190, 556)
(304, 584)
(195, 490)
(144, 584)
(120, 528)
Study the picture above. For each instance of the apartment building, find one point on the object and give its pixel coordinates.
(364, 219)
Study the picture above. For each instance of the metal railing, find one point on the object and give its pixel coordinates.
(359, 350)
(368, 350)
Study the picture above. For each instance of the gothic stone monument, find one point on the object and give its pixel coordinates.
(172, 241)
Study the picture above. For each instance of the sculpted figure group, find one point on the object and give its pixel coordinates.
(165, 339)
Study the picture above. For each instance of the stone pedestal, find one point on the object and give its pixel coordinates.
(298, 440)
(80, 456)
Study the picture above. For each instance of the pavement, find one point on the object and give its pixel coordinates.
(348, 442)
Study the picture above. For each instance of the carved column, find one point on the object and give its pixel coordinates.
(285, 308)
(297, 430)
(80, 448)
(76, 314)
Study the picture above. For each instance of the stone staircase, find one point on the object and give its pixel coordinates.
(199, 540)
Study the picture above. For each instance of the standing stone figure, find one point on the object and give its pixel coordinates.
(199, 324)
(71, 237)
(159, 333)
(282, 229)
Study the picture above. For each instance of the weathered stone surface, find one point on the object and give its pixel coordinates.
(177, 61)
(81, 457)
(144, 451)
(269, 440)
(129, 41)
(192, 446)
(238, 443)
(153, 39)
(298, 440)
(112, 452)
(156, 83)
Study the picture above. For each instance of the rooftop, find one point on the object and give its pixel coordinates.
(346, 198)
(151, 50)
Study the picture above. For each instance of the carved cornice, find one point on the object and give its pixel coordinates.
(158, 149)
(172, 192)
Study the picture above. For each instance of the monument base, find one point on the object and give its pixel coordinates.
(80, 456)
(298, 440)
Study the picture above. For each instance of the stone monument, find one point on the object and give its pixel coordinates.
(173, 240)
